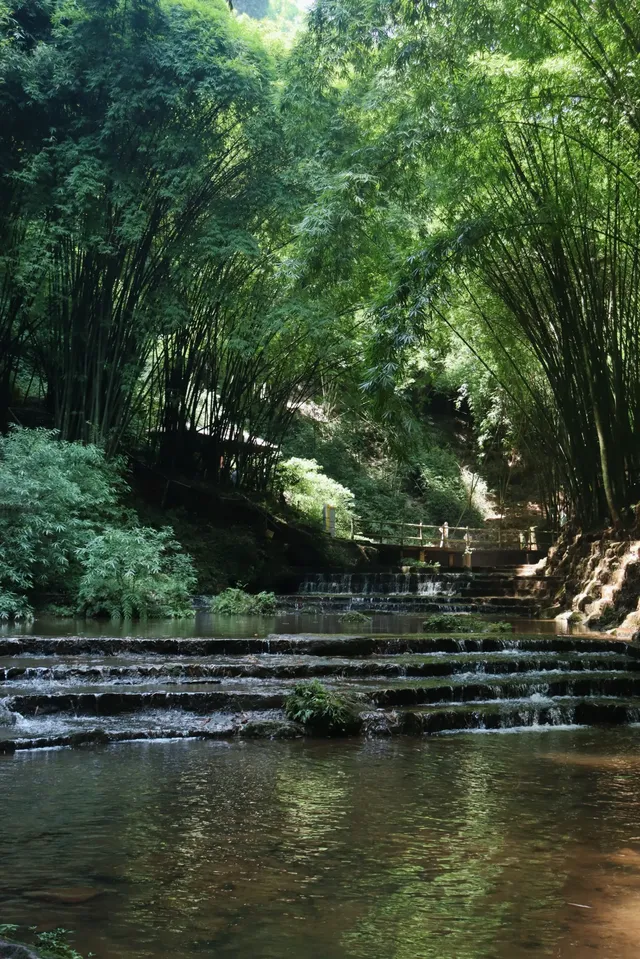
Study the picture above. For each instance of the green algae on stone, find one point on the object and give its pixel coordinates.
(462, 623)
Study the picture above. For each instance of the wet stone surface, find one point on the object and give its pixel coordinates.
(99, 689)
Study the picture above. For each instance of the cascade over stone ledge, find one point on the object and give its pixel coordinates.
(80, 690)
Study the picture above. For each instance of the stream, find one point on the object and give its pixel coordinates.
(473, 846)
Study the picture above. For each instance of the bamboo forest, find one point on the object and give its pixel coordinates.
(319, 479)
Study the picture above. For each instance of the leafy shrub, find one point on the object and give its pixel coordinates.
(50, 945)
(135, 572)
(55, 945)
(53, 497)
(322, 711)
(15, 607)
(59, 510)
(308, 489)
(61, 610)
(236, 602)
(461, 623)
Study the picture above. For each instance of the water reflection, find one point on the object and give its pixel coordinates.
(208, 624)
(471, 847)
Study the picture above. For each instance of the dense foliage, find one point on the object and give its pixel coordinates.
(63, 531)
(356, 468)
(262, 265)
(136, 572)
(498, 145)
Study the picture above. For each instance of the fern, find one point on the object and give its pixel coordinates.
(321, 710)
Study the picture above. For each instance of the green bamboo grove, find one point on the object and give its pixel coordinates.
(203, 229)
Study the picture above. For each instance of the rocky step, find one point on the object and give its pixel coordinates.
(506, 715)
(120, 671)
(238, 697)
(110, 702)
(440, 585)
(66, 730)
(465, 690)
(69, 730)
(488, 575)
(447, 595)
(411, 603)
(314, 644)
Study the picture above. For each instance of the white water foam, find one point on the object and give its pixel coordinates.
(509, 730)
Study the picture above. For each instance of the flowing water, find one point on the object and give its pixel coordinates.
(192, 838)
(500, 846)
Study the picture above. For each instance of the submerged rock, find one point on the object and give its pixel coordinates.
(69, 895)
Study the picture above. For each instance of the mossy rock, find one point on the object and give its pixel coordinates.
(463, 623)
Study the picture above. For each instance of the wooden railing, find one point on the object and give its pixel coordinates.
(461, 538)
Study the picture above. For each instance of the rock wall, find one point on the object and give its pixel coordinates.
(600, 577)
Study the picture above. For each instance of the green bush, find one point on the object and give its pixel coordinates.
(137, 572)
(53, 497)
(15, 607)
(462, 623)
(62, 529)
(50, 945)
(308, 489)
(55, 945)
(236, 602)
(322, 711)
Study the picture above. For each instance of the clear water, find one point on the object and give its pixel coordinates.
(458, 847)
(207, 624)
